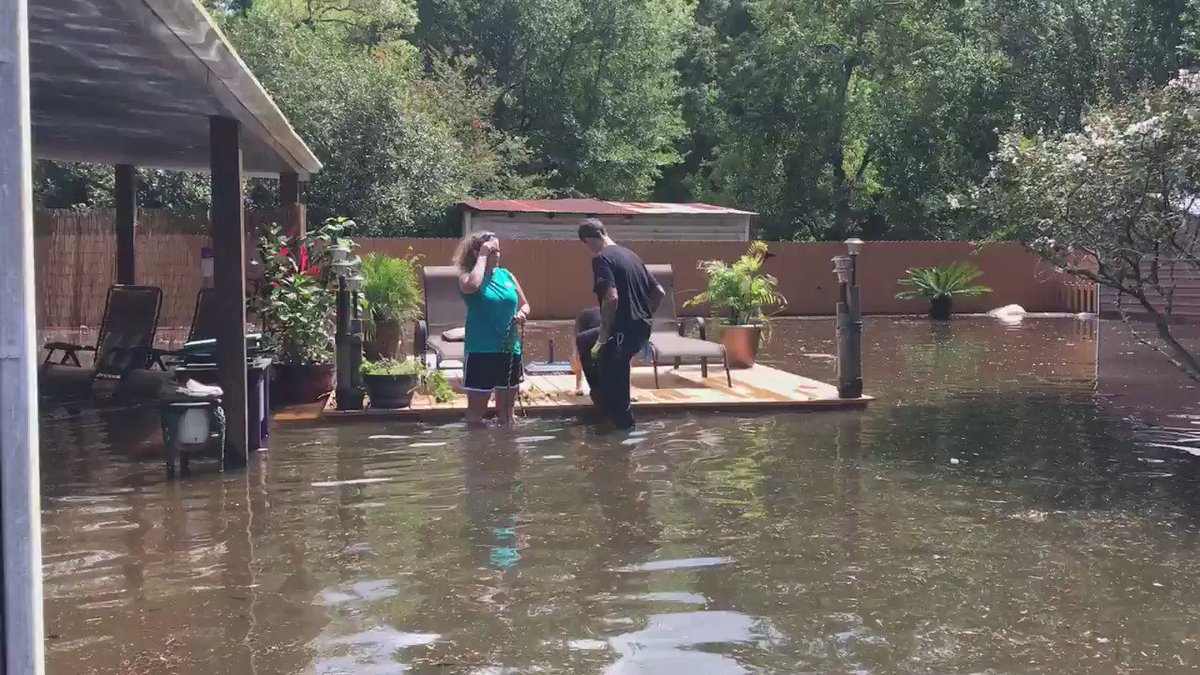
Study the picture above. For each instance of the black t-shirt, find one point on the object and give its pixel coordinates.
(619, 267)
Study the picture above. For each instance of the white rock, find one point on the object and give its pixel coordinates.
(1008, 311)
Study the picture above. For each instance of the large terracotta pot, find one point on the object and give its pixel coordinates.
(297, 384)
(386, 342)
(741, 345)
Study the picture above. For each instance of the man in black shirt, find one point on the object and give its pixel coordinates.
(628, 296)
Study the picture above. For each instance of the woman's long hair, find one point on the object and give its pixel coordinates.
(467, 251)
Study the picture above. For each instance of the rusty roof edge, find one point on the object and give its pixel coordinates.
(596, 206)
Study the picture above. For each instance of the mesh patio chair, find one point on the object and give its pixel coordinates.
(445, 315)
(667, 340)
(204, 326)
(126, 339)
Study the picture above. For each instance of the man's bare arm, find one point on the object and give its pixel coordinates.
(608, 313)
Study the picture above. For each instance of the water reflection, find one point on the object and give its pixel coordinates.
(674, 642)
(493, 501)
(990, 513)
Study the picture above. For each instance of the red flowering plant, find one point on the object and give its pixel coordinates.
(295, 295)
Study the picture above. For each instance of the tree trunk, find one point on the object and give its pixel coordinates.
(836, 158)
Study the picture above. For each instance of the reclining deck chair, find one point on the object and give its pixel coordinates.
(445, 315)
(126, 339)
(204, 325)
(667, 341)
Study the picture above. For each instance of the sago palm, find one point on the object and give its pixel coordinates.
(952, 281)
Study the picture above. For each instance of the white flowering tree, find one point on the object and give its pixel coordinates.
(1114, 203)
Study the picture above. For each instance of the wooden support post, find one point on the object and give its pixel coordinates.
(126, 202)
(229, 280)
(289, 188)
(849, 330)
(850, 379)
(21, 642)
(289, 203)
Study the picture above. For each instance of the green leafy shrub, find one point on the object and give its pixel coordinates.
(439, 387)
(294, 297)
(952, 281)
(432, 382)
(392, 290)
(741, 291)
(393, 367)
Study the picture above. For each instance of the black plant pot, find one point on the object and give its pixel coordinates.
(298, 384)
(390, 391)
(940, 307)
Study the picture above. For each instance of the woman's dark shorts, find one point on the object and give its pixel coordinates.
(484, 372)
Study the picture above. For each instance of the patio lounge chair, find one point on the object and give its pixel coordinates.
(445, 314)
(126, 340)
(204, 326)
(667, 341)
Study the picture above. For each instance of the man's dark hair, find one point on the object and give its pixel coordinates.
(592, 228)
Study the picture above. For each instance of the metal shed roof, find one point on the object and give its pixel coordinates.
(594, 207)
(135, 82)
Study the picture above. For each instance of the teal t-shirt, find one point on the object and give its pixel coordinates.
(490, 312)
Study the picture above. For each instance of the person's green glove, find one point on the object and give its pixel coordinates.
(596, 349)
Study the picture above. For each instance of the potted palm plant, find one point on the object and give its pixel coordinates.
(391, 383)
(740, 293)
(294, 299)
(940, 285)
(392, 294)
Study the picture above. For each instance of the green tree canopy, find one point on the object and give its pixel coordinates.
(591, 83)
(829, 117)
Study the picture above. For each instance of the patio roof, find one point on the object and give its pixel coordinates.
(594, 207)
(136, 81)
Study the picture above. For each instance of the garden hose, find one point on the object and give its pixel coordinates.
(510, 343)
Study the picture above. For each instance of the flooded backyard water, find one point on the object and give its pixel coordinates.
(994, 511)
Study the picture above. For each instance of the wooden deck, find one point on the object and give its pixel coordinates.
(758, 388)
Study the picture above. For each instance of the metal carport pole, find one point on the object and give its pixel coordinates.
(20, 516)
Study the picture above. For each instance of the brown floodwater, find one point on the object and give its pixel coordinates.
(998, 509)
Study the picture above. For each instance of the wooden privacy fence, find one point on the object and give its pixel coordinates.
(75, 256)
(556, 275)
(76, 263)
(1178, 294)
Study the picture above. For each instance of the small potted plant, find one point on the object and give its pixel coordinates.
(392, 294)
(391, 383)
(940, 285)
(740, 293)
(294, 299)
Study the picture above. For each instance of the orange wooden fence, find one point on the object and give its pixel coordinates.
(556, 274)
(76, 255)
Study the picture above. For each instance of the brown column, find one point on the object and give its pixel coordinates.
(289, 188)
(289, 203)
(229, 280)
(126, 202)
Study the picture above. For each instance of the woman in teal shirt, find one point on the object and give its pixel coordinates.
(496, 309)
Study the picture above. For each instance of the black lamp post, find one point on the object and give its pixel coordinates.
(849, 323)
(348, 337)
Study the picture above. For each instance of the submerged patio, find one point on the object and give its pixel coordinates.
(375, 547)
(760, 388)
